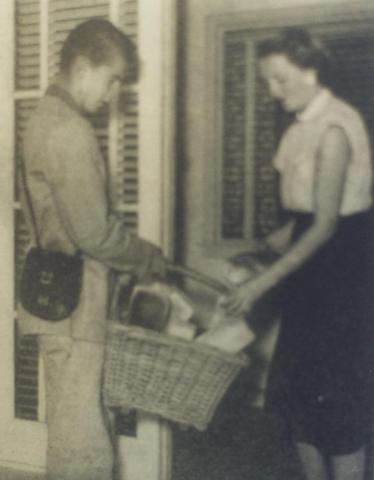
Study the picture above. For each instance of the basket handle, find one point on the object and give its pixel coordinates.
(197, 276)
(125, 279)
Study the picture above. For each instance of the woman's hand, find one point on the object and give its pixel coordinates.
(241, 299)
(279, 240)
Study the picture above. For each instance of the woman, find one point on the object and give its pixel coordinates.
(318, 379)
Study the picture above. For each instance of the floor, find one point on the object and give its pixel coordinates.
(264, 453)
(241, 443)
(9, 474)
(258, 450)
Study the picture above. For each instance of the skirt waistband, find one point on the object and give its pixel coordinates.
(356, 225)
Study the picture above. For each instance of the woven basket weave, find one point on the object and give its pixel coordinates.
(177, 379)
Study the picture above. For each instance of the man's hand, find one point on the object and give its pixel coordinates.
(153, 265)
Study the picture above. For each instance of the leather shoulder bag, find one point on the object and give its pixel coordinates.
(51, 281)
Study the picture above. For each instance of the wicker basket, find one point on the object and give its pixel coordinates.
(177, 379)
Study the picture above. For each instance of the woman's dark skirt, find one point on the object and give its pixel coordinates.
(320, 376)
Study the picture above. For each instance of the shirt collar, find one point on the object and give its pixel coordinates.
(315, 106)
(56, 90)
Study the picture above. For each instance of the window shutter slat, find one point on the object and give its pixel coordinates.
(127, 169)
(83, 12)
(23, 111)
(129, 17)
(26, 374)
(126, 180)
(234, 151)
(27, 62)
(26, 355)
(73, 5)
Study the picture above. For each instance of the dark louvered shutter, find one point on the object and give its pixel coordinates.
(249, 200)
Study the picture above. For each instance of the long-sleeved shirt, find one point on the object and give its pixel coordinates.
(67, 182)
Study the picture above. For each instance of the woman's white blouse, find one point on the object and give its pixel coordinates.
(297, 155)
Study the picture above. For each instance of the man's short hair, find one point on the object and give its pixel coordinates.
(99, 41)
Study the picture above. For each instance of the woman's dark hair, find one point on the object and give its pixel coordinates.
(301, 49)
(99, 41)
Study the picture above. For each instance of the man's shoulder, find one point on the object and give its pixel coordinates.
(53, 119)
(52, 111)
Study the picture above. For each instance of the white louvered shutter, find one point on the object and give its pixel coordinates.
(27, 86)
(27, 44)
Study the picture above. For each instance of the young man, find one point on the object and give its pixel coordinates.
(67, 181)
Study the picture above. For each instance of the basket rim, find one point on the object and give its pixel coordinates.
(240, 359)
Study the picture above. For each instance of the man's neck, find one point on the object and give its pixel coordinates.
(64, 82)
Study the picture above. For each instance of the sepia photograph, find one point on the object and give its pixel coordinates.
(187, 240)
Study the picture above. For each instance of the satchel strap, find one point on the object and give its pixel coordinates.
(29, 202)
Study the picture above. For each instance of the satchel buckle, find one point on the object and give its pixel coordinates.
(46, 277)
